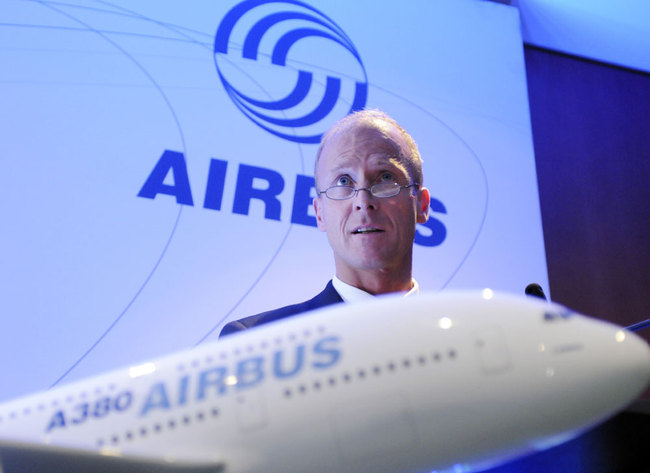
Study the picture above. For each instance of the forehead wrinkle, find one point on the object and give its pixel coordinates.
(368, 142)
(371, 164)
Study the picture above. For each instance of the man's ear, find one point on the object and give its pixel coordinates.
(423, 205)
(318, 209)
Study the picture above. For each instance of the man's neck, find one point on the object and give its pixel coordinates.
(376, 282)
(352, 294)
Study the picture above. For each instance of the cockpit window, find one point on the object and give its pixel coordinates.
(551, 316)
(548, 316)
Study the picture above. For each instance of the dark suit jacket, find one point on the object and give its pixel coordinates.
(327, 297)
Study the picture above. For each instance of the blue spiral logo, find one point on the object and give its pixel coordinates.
(288, 67)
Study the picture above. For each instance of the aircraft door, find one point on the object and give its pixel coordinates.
(251, 410)
(386, 416)
(492, 350)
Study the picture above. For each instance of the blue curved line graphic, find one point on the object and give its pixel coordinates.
(180, 210)
(281, 48)
(179, 30)
(252, 286)
(254, 37)
(230, 19)
(360, 96)
(297, 95)
(326, 105)
(128, 306)
(107, 32)
(124, 12)
(227, 24)
(255, 109)
(232, 93)
(309, 139)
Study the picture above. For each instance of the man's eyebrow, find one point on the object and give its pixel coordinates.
(394, 161)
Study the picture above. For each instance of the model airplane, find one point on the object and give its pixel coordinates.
(457, 382)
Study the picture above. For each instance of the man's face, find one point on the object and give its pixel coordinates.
(368, 233)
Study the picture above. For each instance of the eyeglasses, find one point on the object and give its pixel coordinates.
(381, 190)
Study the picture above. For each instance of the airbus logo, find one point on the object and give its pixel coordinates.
(198, 385)
(264, 54)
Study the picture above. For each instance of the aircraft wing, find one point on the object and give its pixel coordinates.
(35, 458)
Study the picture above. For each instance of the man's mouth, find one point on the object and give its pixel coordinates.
(364, 230)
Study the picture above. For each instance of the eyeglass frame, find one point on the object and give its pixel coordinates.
(355, 190)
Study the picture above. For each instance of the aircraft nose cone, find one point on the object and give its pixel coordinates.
(614, 371)
(634, 354)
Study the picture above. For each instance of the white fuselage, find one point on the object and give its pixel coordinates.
(393, 385)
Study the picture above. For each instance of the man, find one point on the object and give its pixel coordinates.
(368, 177)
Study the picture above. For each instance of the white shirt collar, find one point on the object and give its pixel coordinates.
(353, 294)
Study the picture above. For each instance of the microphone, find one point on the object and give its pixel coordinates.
(535, 290)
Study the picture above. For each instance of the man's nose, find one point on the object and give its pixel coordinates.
(364, 199)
